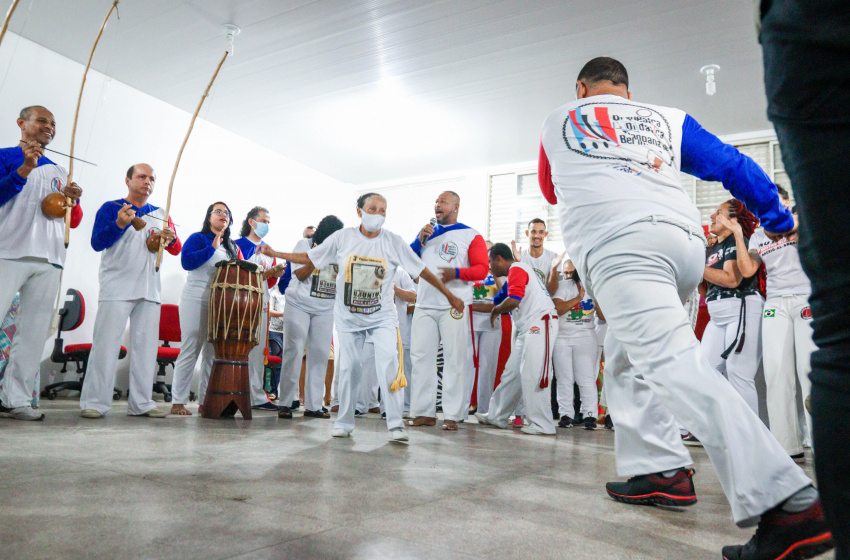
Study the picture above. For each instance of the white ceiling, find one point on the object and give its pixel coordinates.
(378, 89)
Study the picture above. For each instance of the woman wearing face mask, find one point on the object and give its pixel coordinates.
(255, 226)
(200, 254)
(309, 322)
(575, 352)
(367, 256)
(732, 339)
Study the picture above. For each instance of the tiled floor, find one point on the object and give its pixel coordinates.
(200, 489)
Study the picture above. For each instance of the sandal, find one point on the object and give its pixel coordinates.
(284, 413)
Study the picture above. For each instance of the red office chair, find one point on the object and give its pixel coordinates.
(169, 331)
(71, 316)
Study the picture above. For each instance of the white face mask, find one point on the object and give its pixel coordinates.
(372, 222)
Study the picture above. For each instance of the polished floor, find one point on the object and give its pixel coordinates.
(200, 489)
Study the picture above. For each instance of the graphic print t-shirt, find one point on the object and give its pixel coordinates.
(716, 257)
(365, 274)
(317, 293)
(542, 265)
(483, 291)
(579, 319)
(785, 276)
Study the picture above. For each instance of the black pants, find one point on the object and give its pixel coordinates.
(807, 78)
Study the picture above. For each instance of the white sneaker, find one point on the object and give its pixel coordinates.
(484, 420)
(340, 433)
(21, 413)
(399, 435)
(533, 430)
(91, 414)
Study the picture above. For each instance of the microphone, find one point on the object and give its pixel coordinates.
(433, 222)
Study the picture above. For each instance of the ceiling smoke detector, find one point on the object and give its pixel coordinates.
(709, 70)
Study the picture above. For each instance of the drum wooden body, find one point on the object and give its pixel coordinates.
(235, 311)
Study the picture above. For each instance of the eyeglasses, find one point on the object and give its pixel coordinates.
(220, 212)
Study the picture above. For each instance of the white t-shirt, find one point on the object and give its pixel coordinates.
(785, 276)
(366, 298)
(127, 269)
(276, 303)
(24, 230)
(604, 185)
(577, 321)
(483, 292)
(542, 265)
(535, 302)
(403, 281)
(449, 249)
(317, 293)
(265, 263)
(199, 280)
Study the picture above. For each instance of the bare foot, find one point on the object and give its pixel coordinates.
(450, 425)
(180, 410)
(422, 421)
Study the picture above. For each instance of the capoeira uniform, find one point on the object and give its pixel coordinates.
(601, 328)
(129, 289)
(732, 338)
(486, 340)
(32, 253)
(256, 357)
(199, 257)
(527, 373)
(575, 357)
(613, 167)
(460, 247)
(786, 339)
(308, 322)
(364, 307)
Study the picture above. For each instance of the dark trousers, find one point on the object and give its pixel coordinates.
(275, 377)
(807, 78)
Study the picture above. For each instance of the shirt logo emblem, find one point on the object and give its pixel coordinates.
(448, 251)
(56, 184)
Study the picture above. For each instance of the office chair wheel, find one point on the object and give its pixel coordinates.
(51, 396)
(192, 396)
(116, 395)
(166, 398)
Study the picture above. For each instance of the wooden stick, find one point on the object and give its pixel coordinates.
(69, 204)
(180, 155)
(8, 19)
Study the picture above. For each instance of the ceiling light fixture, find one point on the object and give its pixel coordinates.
(708, 70)
(231, 31)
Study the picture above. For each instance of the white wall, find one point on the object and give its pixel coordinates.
(120, 126)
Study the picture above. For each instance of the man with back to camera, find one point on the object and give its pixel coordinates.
(612, 166)
(457, 254)
(129, 289)
(32, 253)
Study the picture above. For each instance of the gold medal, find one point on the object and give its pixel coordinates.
(456, 314)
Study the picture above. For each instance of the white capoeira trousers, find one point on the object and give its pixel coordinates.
(787, 346)
(656, 372)
(194, 316)
(487, 345)
(575, 361)
(367, 393)
(429, 327)
(316, 333)
(740, 368)
(109, 328)
(530, 361)
(38, 282)
(408, 374)
(348, 361)
(256, 364)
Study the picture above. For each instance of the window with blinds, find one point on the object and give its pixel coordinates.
(515, 198)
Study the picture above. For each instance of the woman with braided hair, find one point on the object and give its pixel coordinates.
(732, 339)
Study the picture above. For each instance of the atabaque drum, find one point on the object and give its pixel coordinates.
(235, 311)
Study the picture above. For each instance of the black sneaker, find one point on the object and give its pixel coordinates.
(565, 422)
(315, 414)
(589, 423)
(656, 489)
(357, 413)
(786, 536)
(609, 424)
(295, 405)
(268, 407)
(579, 418)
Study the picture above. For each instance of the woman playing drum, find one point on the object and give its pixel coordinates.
(200, 254)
